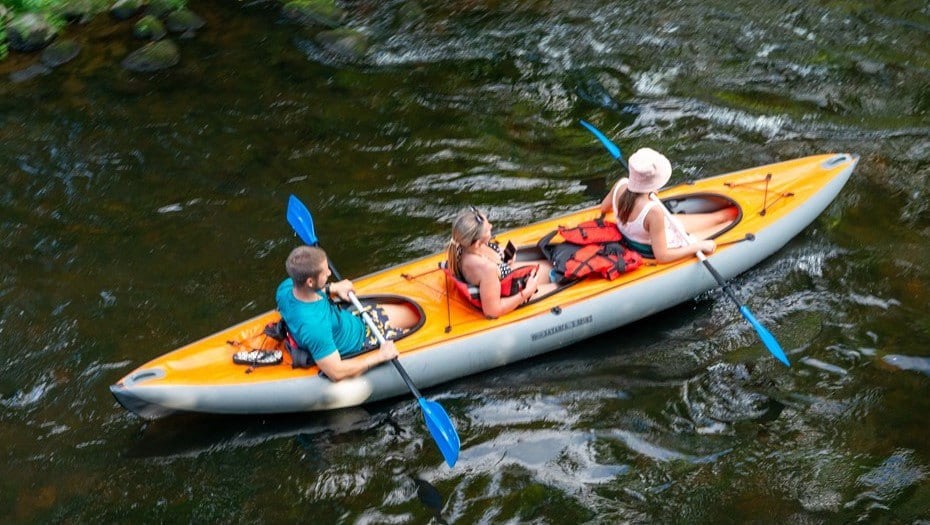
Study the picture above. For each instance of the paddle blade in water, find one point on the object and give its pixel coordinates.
(767, 338)
(300, 219)
(440, 427)
(611, 147)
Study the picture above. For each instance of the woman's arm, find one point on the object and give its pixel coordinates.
(489, 289)
(655, 224)
(607, 204)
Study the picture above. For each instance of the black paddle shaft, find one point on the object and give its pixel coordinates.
(723, 284)
(400, 369)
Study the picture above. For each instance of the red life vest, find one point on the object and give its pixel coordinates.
(511, 285)
(592, 247)
(608, 260)
(597, 231)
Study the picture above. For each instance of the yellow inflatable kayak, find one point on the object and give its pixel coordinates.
(453, 339)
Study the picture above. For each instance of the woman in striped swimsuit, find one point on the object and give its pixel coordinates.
(474, 258)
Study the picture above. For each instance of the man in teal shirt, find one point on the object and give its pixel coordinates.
(334, 337)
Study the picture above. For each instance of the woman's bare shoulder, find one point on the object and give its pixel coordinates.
(474, 265)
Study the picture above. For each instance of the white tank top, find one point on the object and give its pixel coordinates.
(635, 230)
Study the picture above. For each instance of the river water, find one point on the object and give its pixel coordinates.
(140, 212)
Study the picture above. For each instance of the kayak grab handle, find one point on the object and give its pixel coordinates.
(835, 161)
(144, 375)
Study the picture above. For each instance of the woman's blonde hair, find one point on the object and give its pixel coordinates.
(466, 229)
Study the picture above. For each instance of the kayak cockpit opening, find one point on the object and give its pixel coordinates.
(273, 344)
(411, 316)
(705, 203)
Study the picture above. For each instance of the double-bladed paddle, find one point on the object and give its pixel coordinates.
(437, 421)
(767, 338)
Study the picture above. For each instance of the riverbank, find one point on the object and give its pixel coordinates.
(37, 36)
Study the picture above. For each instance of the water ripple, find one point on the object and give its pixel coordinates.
(27, 398)
(888, 481)
(906, 362)
(565, 459)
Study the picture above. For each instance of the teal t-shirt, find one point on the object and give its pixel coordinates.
(321, 327)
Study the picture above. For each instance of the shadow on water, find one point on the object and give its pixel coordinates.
(190, 435)
(430, 497)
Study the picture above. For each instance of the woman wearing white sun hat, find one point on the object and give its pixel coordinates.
(644, 225)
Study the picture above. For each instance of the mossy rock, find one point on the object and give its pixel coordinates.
(149, 28)
(60, 52)
(183, 21)
(161, 8)
(347, 44)
(80, 11)
(125, 9)
(314, 12)
(30, 32)
(154, 56)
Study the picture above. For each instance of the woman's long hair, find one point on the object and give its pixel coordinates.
(466, 228)
(625, 203)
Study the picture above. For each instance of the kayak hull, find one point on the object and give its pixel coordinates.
(200, 377)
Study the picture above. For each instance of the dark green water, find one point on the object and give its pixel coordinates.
(140, 212)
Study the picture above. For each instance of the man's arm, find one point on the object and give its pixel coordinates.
(336, 368)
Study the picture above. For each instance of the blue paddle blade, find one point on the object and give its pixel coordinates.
(440, 427)
(767, 338)
(300, 219)
(611, 147)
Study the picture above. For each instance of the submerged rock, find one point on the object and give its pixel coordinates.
(314, 12)
(29, 73)
(30, 32)
(125, 9)
(60, 52)
(346, 44)
(153, 57)
(149, 28)
(183, 21)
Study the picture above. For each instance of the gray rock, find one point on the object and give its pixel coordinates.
(183, 21)
(314, 12)
(60, 52)
(870, 67)
(29, 73)
(30, 32)
(346, 44)
(153, 57)
(149, 28)
(125, 9)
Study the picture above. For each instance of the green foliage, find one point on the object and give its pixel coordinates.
(36, 6)
(50, 7)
